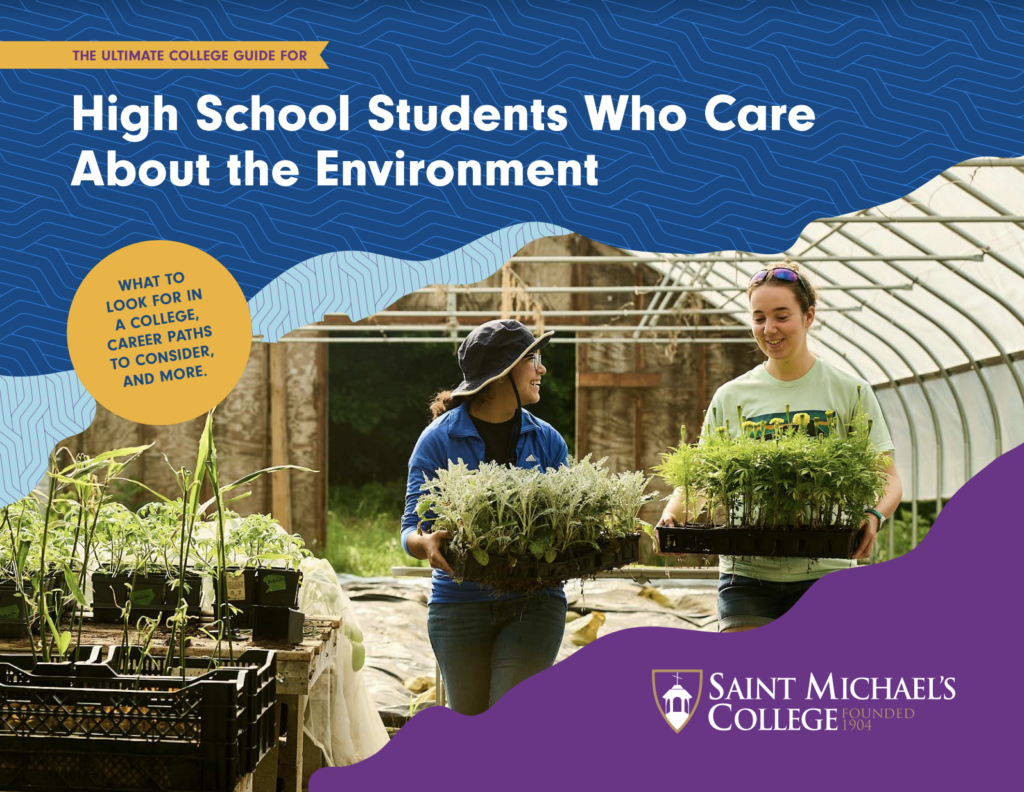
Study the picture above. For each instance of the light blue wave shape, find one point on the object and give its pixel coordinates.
(361, 284)
(36, 413)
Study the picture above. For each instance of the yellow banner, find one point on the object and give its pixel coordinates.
(162, 55)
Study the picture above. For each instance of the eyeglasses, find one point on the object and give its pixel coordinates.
(535, 358)
(779, 273)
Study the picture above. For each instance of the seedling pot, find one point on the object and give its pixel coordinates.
(150, 595)
(241, 595)
(14, 611)
(798, 543)
(277, 624)
(277, 587)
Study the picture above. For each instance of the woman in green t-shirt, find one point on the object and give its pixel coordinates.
(755, 591)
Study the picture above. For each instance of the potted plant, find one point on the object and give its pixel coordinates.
(141, 564)
(520, 529)
(263, 566)
(18, 530)
(781, 488)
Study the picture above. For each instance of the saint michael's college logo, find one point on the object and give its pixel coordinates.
(677, 693)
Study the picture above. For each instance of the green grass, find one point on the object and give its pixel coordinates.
(363, 525)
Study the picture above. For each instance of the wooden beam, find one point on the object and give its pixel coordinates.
(323, 421)
(280, 482)
(628, 379)
(580, 301)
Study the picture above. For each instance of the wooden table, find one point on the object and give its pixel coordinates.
(298, 669)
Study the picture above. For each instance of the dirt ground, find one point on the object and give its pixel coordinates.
(393, 615)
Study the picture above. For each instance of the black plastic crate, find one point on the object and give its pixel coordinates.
(260, 688)
(78, 654)
(97, 730)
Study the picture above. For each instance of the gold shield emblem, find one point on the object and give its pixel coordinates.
(677, 694)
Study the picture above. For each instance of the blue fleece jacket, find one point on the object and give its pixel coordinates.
(453, 436)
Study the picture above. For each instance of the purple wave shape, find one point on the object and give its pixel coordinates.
(592, 721)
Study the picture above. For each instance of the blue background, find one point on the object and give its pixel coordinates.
(900, 90)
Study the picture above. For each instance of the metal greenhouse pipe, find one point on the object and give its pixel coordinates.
(956, 341)
(677, 258)
(440, 339)
(981, 326)
(643, 290)
(991, 162)
(941, 219)
(457, 339)
(952, 337)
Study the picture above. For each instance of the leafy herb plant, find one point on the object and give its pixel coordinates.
(514, 512)
(778, 475)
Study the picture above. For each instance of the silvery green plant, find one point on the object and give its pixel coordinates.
(778, 475)
(508, 511)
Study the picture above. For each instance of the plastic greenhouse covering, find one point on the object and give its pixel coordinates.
(924, 299)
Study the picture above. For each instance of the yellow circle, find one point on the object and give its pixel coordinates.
(159, 332)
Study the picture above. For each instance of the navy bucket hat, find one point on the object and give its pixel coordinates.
(492, 350)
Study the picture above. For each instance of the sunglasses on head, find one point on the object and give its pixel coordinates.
(781, 274)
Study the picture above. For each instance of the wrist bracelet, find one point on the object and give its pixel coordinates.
(879, 515)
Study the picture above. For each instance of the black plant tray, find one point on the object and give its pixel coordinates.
(803, 543)
(95, 730)
(526, 571)
(260, 690)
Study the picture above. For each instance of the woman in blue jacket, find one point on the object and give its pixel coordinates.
(486, 644)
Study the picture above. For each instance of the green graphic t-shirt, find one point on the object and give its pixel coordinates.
(762, 397)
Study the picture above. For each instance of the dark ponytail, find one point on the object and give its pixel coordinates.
(443, 402)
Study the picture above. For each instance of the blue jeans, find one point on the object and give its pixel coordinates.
(747, 602)
(484, 649)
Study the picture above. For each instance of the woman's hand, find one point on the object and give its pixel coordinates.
(428, 547)
(667, 520)
(868, 531)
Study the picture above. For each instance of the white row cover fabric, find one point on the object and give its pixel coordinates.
(340, 718)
